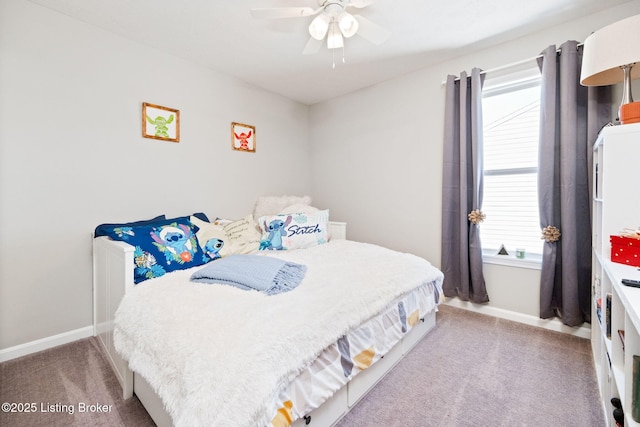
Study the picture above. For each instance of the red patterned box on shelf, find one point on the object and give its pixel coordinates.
(625, 250)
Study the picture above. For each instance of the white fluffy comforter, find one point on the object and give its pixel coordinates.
(216, 354)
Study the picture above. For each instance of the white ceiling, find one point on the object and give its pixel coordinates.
(222, 35)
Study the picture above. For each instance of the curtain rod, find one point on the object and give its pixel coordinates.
(513, 64)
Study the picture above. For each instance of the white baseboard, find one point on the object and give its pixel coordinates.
(45, 343)
(550, 324)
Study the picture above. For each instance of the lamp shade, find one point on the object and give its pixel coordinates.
(319, 26)
(610, 48)
(348, 24)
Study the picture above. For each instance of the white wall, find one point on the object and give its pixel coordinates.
(72, 156)
(383, 146)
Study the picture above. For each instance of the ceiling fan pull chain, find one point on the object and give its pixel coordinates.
(333, 57)
(343, 61)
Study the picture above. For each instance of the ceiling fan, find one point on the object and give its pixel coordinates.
(332, 20)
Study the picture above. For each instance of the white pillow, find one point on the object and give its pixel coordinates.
(298, 208)
(271, 205)
(242, 235)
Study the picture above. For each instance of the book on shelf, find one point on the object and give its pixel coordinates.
(635, 390)
(607, 316)
(597, 192)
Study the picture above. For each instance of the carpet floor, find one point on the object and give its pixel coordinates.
(477, 370)
(471, 370)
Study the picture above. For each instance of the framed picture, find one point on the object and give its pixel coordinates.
(160, 122)
(243, 137)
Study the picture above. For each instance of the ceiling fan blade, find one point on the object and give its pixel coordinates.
(312, 47)
(371, 32)
(361, 3)
(282, 12)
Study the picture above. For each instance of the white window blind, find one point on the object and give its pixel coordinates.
(510, 202)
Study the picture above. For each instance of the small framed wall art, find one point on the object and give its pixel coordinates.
(243, 137)
(160, 122)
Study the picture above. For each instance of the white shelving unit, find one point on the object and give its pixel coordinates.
(615, 338)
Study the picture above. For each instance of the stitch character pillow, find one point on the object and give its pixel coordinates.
(163, 247)
(212, 238)
(294, 231)
(124, 228)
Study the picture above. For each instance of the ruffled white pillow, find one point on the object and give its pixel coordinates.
(271, 205)
(298, 208)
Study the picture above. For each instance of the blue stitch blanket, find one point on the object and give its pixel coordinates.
(261, 273)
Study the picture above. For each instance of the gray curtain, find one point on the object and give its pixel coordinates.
(571, 116)
(462, 188)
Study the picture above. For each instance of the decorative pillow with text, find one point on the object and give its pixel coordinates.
(294, 231)
(242, 235)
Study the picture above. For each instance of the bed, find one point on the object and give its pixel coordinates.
(214, 354)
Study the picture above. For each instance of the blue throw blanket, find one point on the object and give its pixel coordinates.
(264, 274)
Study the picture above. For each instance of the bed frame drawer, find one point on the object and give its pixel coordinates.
(330, 411)
(418, 331)
(365, 380)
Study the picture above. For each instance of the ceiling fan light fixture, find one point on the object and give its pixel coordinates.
(348, 24)
(334, 37)
(319, 26)
(330, 20)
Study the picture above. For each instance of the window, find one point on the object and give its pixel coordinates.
(511, 114)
